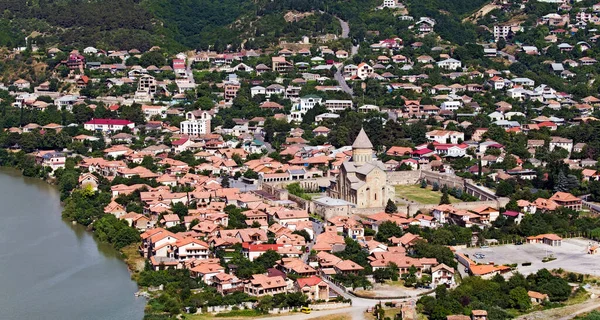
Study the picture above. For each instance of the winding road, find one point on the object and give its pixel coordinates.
(339, 77)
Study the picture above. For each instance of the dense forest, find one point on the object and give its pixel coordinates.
(203, 24)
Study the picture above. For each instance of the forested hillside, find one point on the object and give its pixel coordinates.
(199, 24)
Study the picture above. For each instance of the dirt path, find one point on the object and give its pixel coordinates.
(481, 12)
(564, 313)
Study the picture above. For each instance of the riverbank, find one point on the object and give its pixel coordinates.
(47, 262)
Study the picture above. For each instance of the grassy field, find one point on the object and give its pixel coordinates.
(389, 313)
(424, 196)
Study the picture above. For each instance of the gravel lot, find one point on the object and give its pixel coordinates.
(570, 256)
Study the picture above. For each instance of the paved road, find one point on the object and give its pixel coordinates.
(338, 74)
(339, 77)
(510, 57)
(261, 138)
(318, 229)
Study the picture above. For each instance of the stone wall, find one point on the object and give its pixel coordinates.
(412, 208)
(451, 181)
(272, 189)
(306, 184)
(302, 203)
(366, 211)
(395, 178)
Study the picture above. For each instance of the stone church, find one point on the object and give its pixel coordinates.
(363, 179)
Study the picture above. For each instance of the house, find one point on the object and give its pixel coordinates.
(479, 315)
(170, 220)
(287, 216)
(115, 209)
(449, 64)
(442, 274)
(496, 83)
(444, 136)
(191, 248)
(537, 297)
(567, 200)
(88, 180)
(197, 123)
(50, 159)
(66, 102)
(425, 25)
(108, 125)
(364, 71)
(321, 131)
(261, 285)
(279, 64)
(253, 251)
(501, 31)
(558, 142)
(397, 151)
(22, 84)
(549, 239)
(313, 287)
(227, 283)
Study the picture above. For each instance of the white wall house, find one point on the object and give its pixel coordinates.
(196, 123)
(306, 103)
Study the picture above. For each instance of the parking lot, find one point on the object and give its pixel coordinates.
(570, 256)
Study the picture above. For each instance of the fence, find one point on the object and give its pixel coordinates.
(228, 308)
(330, 305)
(250, 305)
(395, 298)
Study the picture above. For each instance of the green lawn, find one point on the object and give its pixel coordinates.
(424, 196)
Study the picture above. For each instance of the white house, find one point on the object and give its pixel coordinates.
(338, 105)
(197, 122)
(108, 125)
(558, 142)
(66, 102)
(364, 70)
(496, 116)
(501, 32)
(445, 136)
(256, 90)
(306, 103)
(442, 274)
(449, 64)
(451, 105)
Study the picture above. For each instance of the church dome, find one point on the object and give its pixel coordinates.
(362, 141)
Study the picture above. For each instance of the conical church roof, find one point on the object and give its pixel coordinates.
(362, 141)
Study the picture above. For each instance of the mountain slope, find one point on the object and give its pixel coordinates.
(200, 24)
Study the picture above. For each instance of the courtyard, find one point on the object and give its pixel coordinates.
(421, 195)
(570, 256)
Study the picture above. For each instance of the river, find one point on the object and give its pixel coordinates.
(51, 269)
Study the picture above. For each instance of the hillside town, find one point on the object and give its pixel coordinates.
(402, 173)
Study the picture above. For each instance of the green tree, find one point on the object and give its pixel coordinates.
(388, 229)
(225, 181)
(267, 260)
(391, 207)
(250, 174)
(505, 188)
(519, 299)
(445, 199)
